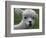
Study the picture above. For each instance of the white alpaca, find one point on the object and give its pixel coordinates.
(28, 19)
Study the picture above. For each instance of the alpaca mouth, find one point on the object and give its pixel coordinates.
(30, 25)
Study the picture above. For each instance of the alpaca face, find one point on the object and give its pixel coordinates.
(29, 17)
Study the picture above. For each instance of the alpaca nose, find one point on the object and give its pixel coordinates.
(30, 22)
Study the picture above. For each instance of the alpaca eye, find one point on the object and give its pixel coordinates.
(25, 17)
